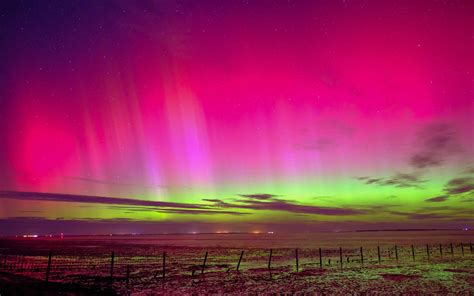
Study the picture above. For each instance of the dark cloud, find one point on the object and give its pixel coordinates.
(469, 170)
(373, 180)
(435, 213)
(397, 180)
(215, 200)
(438, 198)
(305, 209)
(380, 208)
(423, 216)
(403, 180)
(21, 195)
(269, 202)
(438, 141)
(425, 159)
(199, 212)
(132, 209)
(260, 201)
(459, 185)
(398, 213)
(324, 197)
(140, 205)
(259, 196)
(436, 208)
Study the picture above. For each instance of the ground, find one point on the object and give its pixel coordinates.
(85, 266)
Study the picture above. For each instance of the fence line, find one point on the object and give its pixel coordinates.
(122, 267)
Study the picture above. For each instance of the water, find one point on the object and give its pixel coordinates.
(288, 240)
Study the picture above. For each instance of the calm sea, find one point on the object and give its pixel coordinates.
(288, 240)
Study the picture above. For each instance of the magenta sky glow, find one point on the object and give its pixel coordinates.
(324, 114)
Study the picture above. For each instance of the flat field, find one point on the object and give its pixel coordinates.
(382, 263)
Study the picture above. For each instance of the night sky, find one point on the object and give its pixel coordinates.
(195, 116)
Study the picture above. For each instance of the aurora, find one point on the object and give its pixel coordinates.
(211, 116)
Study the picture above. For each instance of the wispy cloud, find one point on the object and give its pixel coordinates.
(398, 180)
(140, 205)
(469, 170)
(431, 216)
(440, 198)
(269, 202)
(459, 185)
(435, 213)
(137, 209)
(60, 197)
(259, 196)
(260, 201)
(438, 141)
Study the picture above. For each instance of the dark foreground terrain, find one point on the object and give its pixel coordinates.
(443, 265)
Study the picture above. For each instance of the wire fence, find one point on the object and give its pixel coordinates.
(126, 268)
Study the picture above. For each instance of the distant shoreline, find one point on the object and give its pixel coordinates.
(421, 229)
(40, 236)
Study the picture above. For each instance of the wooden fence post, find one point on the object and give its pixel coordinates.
(378, 254)
(361, 257)
(340, 255)
(320, 259)
(112, 261)
(440, 250)
(48, 269)
(462, 249)
(413, 252)
(428, 252)
(297, 261)
(204, 263)
(270, 263)
(240, 259)
(396, 253)
(452, 250)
